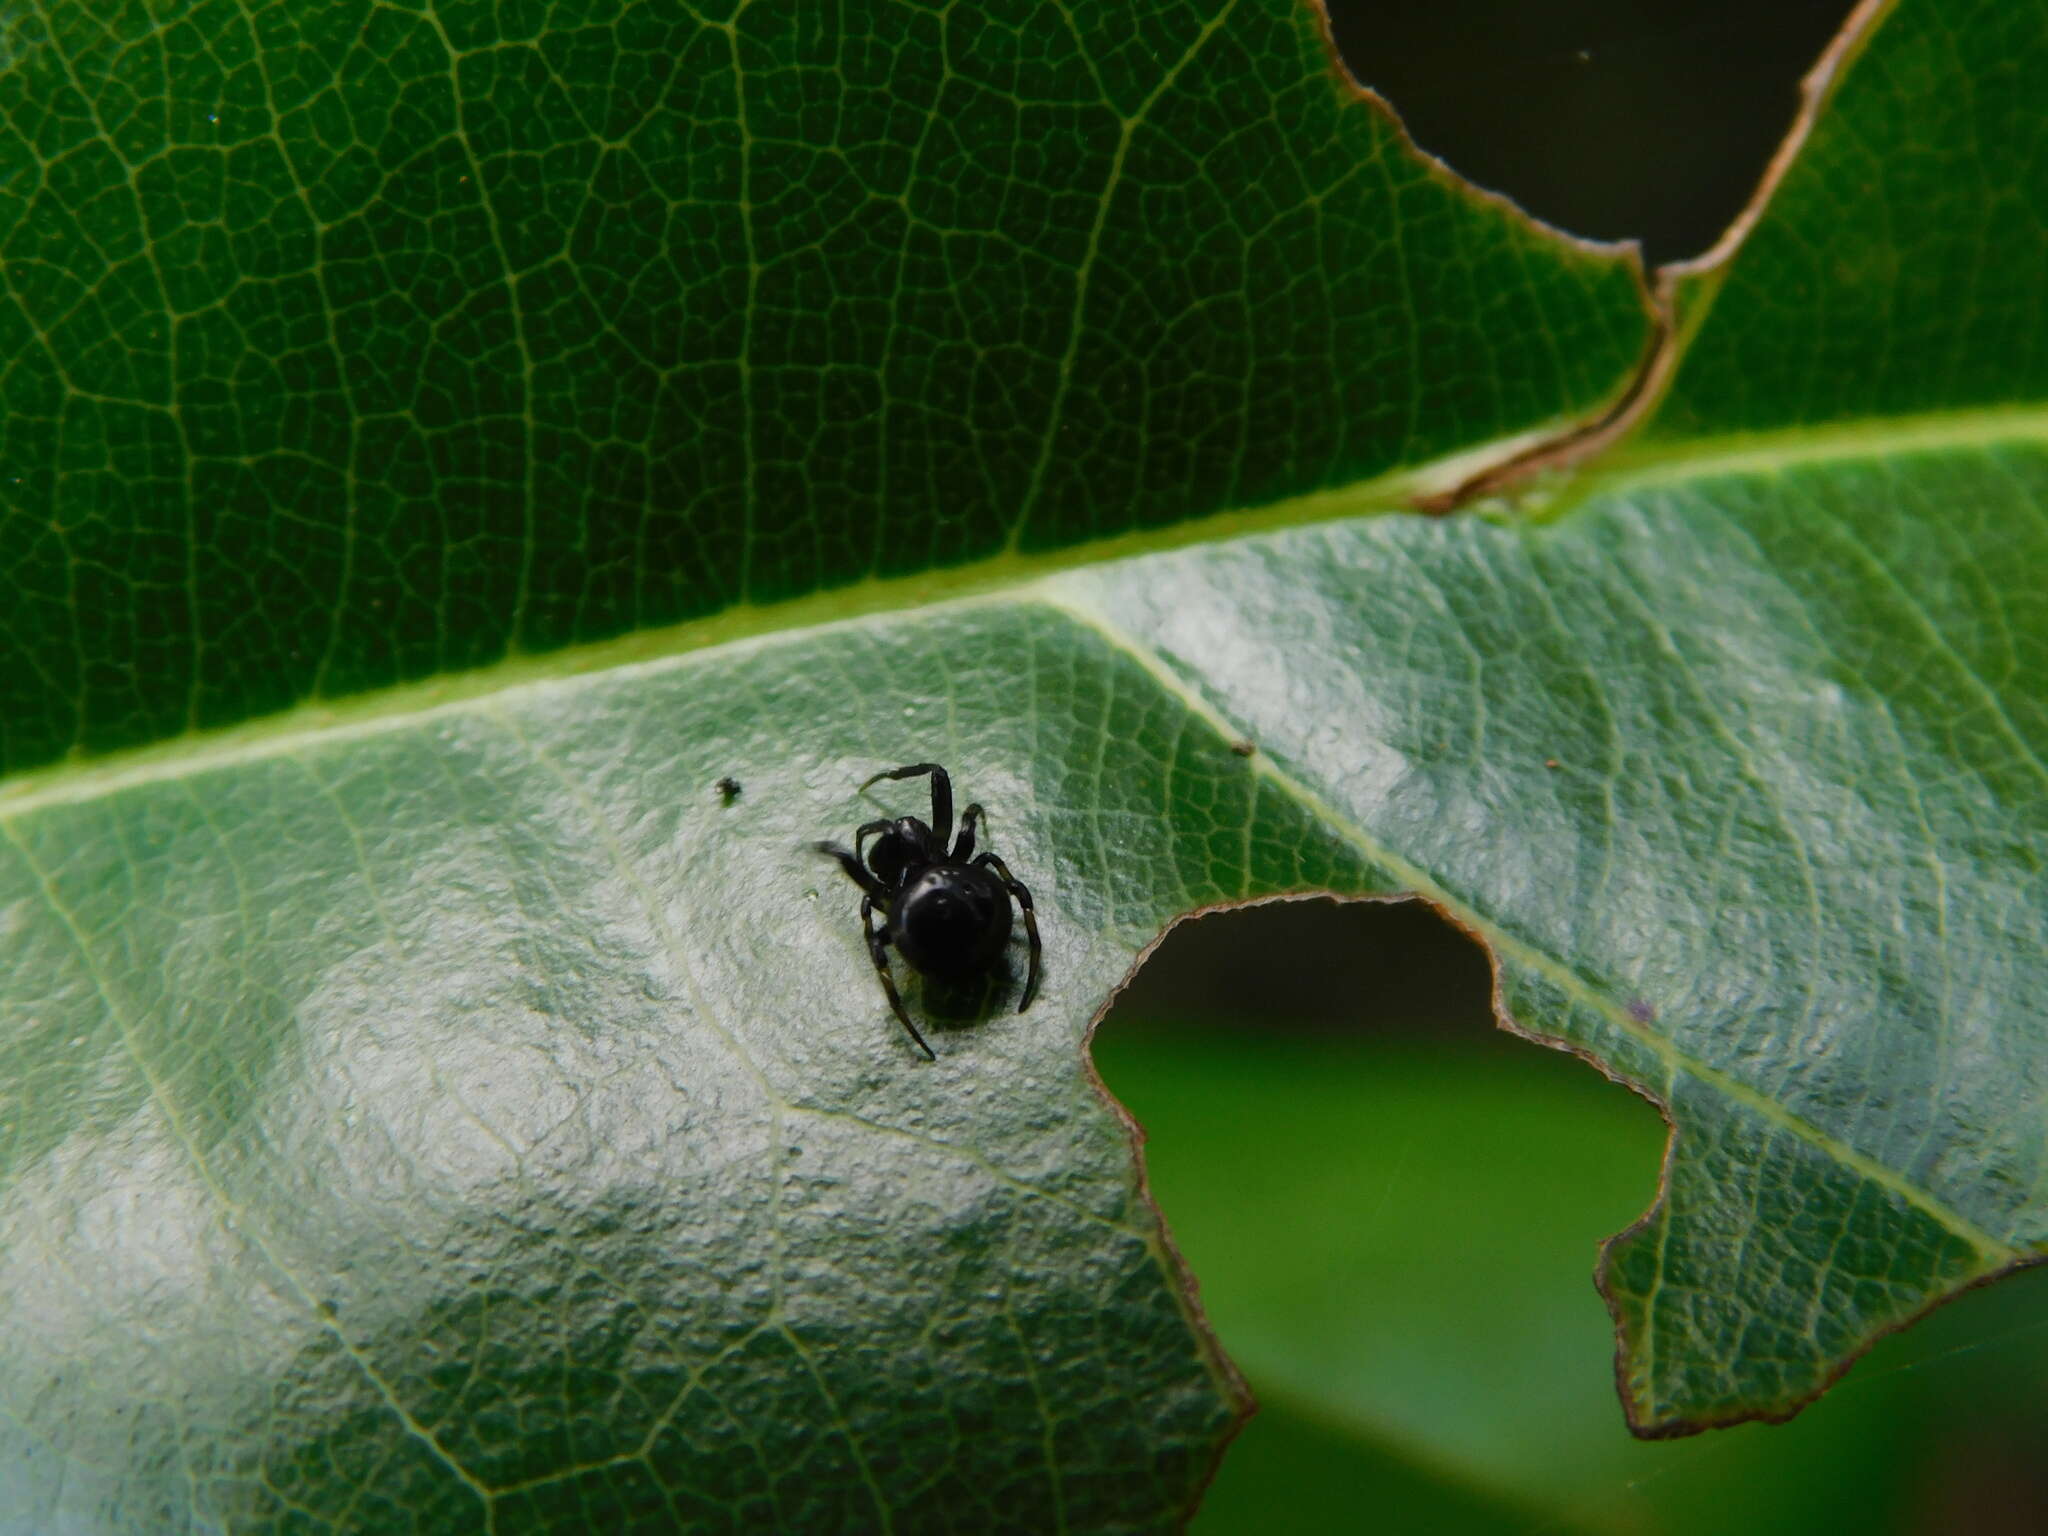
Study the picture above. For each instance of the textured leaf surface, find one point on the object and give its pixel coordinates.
(443, 1107)
(474, 1114)
(479, 1142)
(1897, 268)
(419, 1113)
(1875, 362)
(357, 343)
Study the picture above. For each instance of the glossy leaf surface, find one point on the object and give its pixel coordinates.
(414, 1110)
(1876, 369)
(444, 1108)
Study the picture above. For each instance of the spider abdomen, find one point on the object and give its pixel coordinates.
(950, 920)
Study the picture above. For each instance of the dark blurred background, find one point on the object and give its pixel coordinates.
(1392, 1207)
(1644, 120)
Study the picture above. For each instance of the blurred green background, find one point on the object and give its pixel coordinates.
(1393, 1208)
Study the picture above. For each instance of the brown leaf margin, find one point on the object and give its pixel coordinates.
(1677, 298)
(1677, 295)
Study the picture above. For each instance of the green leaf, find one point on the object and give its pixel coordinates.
(422, 1100)
(355, 344)
(1859, 410)
(1891, 273)
(439, 1106)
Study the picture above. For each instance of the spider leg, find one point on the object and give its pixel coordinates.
(970, 819)
(1017, 889)
(854, 872)
(942, 794)
(867, 829)
(878, 939)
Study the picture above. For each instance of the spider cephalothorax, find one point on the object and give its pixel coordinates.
(947, 910)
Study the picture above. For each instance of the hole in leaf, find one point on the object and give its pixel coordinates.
(1616, 119)
(1393, 1208)
(1317, 966)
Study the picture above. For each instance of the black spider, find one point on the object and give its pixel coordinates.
(948, 913)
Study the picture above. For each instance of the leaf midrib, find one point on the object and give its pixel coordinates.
(732, 630)
(400, 709)
(1003, 578)
(1649, 462)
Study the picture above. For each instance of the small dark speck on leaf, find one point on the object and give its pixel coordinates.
(1243, 748)
(728, 790)
(1640, 1011)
